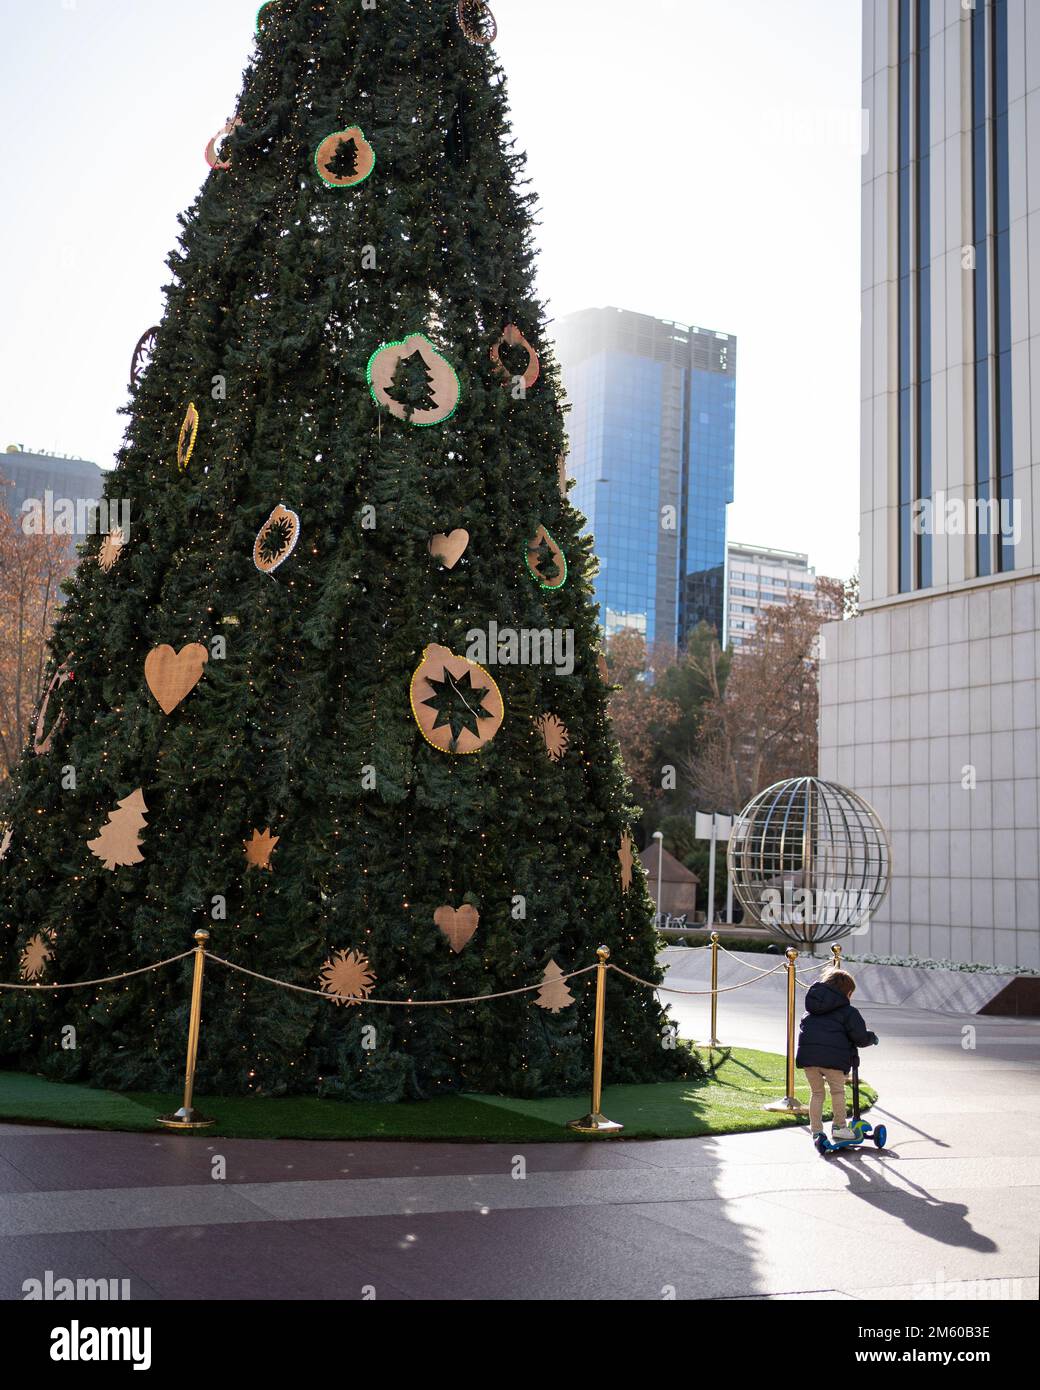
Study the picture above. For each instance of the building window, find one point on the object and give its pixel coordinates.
(915, 300)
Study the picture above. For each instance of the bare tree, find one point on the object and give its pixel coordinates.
(763, 726)
(31, 572)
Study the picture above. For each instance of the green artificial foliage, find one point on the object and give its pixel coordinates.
(281, 290)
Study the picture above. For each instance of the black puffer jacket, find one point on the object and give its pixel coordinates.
(831, 1030)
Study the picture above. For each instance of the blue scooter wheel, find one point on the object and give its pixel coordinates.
(821, 1145)
(880, 1135)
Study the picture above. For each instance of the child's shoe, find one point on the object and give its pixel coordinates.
(842, 1133)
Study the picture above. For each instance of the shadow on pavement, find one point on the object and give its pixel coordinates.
(946, 1222)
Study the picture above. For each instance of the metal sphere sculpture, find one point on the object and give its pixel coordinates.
(809, 860)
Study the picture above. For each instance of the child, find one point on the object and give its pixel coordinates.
(830, 1032)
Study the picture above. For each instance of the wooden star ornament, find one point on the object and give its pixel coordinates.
(260, 848)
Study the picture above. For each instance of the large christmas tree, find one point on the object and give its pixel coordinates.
(337, 696)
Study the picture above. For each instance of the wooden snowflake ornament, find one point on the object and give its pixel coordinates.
(35, 955)
(554, 734)
(347, 977)
(111, 549)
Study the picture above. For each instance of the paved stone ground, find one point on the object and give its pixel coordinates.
(950, 1210)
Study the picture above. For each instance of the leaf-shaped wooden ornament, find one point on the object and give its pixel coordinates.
(546, 560)
(512, 337)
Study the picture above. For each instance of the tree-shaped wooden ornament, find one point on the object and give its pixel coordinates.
(554, 995)
(119, 844)
(345, 158)
(546, 560)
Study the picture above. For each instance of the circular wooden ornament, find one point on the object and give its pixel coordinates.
(442, 677)
(477, 22)
(276, 539)
(211, 149)
(355, 170)
(512, 336)
(143, 353)
(444, 384)
(187, 437)
(42, 742)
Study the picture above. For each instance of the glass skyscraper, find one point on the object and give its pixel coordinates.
(651, 433)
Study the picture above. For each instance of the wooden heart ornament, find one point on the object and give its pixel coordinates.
(172, 676)
(458, 924)
(413, 381)
(345, 158)
(456, 704)
(449, 549)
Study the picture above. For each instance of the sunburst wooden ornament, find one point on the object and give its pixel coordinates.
(554, 732)
(347, 977)
(187, 437)
(111, 549)
(626, 854)
(35, 955)
(276, 540)
(477, 22)
(259, 849)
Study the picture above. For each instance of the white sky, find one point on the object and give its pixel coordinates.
(696, 159)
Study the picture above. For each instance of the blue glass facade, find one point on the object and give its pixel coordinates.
(652, 439)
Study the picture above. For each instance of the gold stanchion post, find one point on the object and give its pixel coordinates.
(187, 1117)
(836, 953)
(713, 1038)
(790, 1105)
(595, 1122)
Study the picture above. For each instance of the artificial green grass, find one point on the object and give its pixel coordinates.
(728, 1100)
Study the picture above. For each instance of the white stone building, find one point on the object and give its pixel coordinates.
(930, 701)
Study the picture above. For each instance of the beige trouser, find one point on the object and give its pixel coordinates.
(817, 1078)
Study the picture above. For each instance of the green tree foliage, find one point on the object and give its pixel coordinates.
(301, 721)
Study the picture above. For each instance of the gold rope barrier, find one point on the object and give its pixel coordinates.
(108, 980)
(187, 1117)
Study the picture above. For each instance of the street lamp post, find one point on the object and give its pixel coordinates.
(659, 837)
